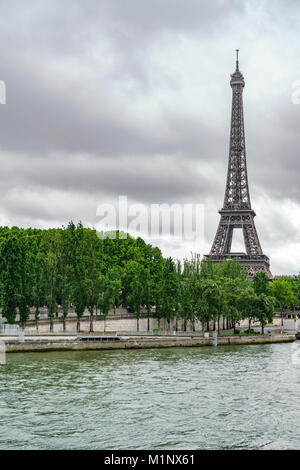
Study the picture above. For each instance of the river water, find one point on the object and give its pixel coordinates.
(179, 398)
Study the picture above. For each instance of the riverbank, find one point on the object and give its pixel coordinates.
(38, 343)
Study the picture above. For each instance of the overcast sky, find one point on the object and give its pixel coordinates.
(132, 97)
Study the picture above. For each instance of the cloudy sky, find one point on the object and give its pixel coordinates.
(132, 97)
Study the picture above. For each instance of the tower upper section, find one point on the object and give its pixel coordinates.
(237, 191)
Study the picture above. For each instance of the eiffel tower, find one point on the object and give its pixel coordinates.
(237, 211)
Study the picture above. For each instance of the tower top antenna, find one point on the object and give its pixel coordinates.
(237, 58)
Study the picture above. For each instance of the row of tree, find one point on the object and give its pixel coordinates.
(74, 266)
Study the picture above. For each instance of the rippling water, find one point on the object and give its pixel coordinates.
(181, 398)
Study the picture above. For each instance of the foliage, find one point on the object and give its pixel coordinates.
(74, 267)
(261, 283)
(264, 309)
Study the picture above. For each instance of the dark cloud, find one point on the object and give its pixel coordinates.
(158, 180)
(132, 97)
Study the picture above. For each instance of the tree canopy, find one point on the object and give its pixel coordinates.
(74, 267)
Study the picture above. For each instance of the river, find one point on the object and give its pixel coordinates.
(241, 397)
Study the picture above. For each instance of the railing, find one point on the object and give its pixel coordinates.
(13, 330)
(160, 333)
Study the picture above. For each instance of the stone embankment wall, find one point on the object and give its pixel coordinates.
(140, 342)
(121, 321)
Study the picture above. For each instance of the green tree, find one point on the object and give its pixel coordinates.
(261, 283)
(78, 270)
(147, 289)
(296, 293)
(264, 310)
(282, 292)
(230, 269)
(170, 290)
(234, 287)
(38, 289)
(64, 256)
(115, 275)
(157, 292)
(133, 278)
(190, 290)
(106, 296)
(246, 302)
(94, 259)
(185, 304)
(208, 301)
(51, 248)
(10, 277)
(26, 269)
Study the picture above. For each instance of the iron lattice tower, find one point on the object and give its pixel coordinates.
(237, 211)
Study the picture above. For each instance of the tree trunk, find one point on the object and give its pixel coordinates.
(224, 322)
(91, 323)
(176, 324)
(37, 325)
(78, 325)
(249, 324)
(281, 317)
(51, 324)
(208, 326)
(148, 322)
(262, 329)
(138, 324)
(64, 323)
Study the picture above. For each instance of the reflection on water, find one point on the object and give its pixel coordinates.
(181, 398)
